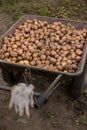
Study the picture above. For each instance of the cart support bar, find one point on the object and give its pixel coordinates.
(53, 84)
(5, 88)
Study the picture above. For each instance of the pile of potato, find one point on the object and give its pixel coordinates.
(51, 46)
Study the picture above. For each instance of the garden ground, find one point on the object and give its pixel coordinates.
(61, 112)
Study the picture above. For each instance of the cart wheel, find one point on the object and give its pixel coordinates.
(76, 87)
(77, 84)
(11, 76)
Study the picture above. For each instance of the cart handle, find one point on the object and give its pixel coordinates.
(53, 84)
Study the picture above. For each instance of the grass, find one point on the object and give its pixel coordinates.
(55, 123)
(26, 8)
(51, 115)
(27, 1)
(81, 120)
(66, 8)
(44, 11)
(72, 9)
(16, 16)
(8, 2)
(10, 9)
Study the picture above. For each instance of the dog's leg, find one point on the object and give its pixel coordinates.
(27, 109)
(16, 108)
(11, 103)
(31, 100)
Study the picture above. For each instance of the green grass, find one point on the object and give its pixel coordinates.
(81, 120)
(27, 1)
(51, 115)
(55, 124)
(44, 11)
(26, 8)
(16, 16)
(8, 2)
(66, 8)
(9, 9)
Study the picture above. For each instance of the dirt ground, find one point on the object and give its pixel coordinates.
(61, 112)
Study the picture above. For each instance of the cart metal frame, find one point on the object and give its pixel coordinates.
(78, 76)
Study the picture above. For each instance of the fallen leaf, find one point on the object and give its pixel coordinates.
(23, 121)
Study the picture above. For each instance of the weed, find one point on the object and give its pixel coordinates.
(9, 9)
(51, 115)
(80, 120)
(9, 6)
(8, 2)
(39, 9)
(55, 124)
(26, 8)
(65, 8)
(27, 1)
(68, 14)
(43, 11)
(16, 16)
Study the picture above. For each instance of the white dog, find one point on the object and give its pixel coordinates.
(21, 98)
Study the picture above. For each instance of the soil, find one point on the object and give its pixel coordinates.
(61, 112)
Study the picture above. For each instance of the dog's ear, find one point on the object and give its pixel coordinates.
(31, 86)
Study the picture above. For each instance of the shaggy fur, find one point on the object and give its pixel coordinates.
(22, 98)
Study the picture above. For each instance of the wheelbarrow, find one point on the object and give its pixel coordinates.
(11, 72)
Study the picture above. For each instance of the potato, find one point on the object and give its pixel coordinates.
(9, 49)
(6, 54)
(14, 46)
(35, 55)
(69, 62)
(38, 62)
(7, 59)
(26, 62)
(13, 54)
(53, 46)
(74, 66)
(21, 62)
(2, 57)
(52, 60)
(12, 39)
(63, 64)
(59, 67)
(78, 52)
(73, 56)
(1, 52)
(53, 53)
(78, 58)
(14, 59)
(20, 52)
(17, 38)
(43, 57)
(33, 63)
(20, 27)
(15, 50)
(19, 58)
(65, 71)
(79, 46)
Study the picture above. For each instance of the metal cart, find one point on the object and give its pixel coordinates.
(11, 72)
